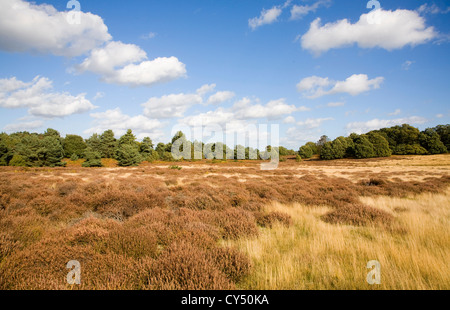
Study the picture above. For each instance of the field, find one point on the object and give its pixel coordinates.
(228, 225)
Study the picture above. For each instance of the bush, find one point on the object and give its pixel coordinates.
(380, 145)
(363, 147)
(406, 149)
(17, 161)
(74, 157)
(306, 152)
(93, 158)
(128, 155)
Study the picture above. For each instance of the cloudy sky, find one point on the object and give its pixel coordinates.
(313, 67)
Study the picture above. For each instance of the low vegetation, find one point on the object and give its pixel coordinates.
(151, 227)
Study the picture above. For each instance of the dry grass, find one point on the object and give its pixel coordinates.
(207, 226)
(311, 254)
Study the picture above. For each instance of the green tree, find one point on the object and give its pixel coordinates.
(363, 147)
(444, 133)
(313, 147)
(380, 144)
(93, 158)
(94, 142)
(74, 144)
(128, 151)
(407, 149)
(146, 146)
(334, 150)
(108, 144)
(17, 161)
(5, 153)
(51, 152)
(305, 152)
(431, 141)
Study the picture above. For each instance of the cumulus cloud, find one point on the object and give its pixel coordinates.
(114, 54)
(170, 106)
(363, 127)
(205, 89)
(126, 64)
(24, 126)
(311, 123)
(37, 97)
(300, 11)
(272, 110)
(266, 17)
(148, 73)
(218, 117)
(25, 26)
(396, 29)
(220, 97)
(315, 87)
(289, 120)
(119, 122)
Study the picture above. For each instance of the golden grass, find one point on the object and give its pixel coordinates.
(414, 253)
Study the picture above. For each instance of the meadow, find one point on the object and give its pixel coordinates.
(228, 225)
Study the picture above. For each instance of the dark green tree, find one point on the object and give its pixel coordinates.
(93, 158)
(108, 144)
(94, 142)
(128, 151)
(74, 144)
(305, 151)
(51, 152)
(380, 144)
(431, 141)
(444, 134)
(363, 147)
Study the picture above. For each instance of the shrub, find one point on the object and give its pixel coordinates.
(305, 152)
(93, 158)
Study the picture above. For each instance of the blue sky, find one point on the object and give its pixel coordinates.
(313, 67)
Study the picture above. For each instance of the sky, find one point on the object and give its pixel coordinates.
(318, 67)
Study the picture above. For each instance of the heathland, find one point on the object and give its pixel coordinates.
(309, 224)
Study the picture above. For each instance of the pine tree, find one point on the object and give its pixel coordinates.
(108, 144)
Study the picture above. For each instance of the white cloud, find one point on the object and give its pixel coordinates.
(289, 120)
(311, 123)
(396, 29)
(363, 127)
(432, 9)
(336, 104)
(170, 106)
(218, 117)
(315, 87)
(439, 115)
(205, 89)
(115, 54)
(407, 64)
(220, 97)
(99, 95)
(148, 73)
(37, 98)
(272, 110)
(41, 28)
(149, 35)
(25, 126)
(396, 112)
(299, 11)
(267, 17)
(116, 64)
(119, 122)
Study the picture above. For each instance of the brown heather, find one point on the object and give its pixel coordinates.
(152, 227)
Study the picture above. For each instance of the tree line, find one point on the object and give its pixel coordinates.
(396, 140)
(49, 149)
